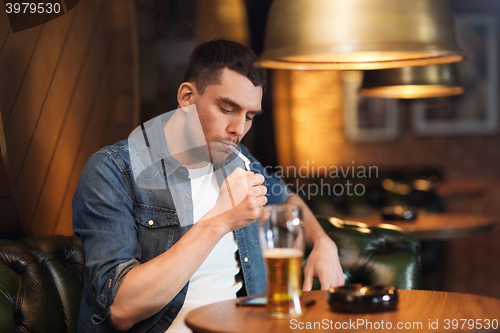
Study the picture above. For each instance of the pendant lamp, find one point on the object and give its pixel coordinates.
(412, 82)
(358, 34)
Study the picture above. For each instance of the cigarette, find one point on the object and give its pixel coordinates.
(243, 157)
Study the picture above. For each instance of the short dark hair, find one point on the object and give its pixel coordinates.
(209, 59)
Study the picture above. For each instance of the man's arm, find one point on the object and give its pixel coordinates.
(147, 288)
(323, 261)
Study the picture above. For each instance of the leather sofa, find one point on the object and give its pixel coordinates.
(41, 277)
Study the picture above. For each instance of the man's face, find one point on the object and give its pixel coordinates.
(226, 111)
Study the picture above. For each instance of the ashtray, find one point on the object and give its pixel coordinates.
(356, 298)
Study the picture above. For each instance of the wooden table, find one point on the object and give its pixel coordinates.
(436, 226)
(417, 309)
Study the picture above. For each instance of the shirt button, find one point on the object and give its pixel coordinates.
(151, 222)
(186, 196)
(245, 259)
(173, 310)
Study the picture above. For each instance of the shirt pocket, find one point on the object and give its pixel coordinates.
(157, 229)
(153, 217)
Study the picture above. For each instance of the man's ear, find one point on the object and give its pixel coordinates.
(185, 94)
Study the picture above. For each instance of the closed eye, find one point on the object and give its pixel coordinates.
(225, 110)
(249, 116)
(252, 114)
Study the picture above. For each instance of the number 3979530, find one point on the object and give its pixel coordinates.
(32, 7)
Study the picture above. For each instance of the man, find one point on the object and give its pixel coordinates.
(164, 215)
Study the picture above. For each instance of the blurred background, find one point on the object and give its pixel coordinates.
(87, 78)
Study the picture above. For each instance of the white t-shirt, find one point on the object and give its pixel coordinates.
(214, 280)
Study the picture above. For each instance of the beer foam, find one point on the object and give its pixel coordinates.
(282, 253)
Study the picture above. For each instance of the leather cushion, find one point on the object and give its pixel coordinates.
(28, 297)
(63, 259)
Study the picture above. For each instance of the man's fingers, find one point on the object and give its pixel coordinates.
(255, 179)
(341, 280)
(261, 201)
(331, 281)
(239, 173)
(308, 279)
(259, 190)
(326, 279)
(326, 282)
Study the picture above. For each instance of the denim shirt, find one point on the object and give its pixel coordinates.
(125, 217)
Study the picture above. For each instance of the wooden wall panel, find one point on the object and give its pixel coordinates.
(14, 61)
(4, 31)
(67, 79)
(57, 94)
(97, 124)
(39, 153)
(4, 186)
(72, 129)
(10, 222)
(21, 123)
(38, 160)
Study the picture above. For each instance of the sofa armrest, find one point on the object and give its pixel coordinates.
(40, 283)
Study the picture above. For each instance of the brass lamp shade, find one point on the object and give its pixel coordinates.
(358, 34)
(412, 82)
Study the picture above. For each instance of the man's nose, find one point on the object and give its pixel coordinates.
(237, 126)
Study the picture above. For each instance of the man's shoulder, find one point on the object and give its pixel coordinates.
(114, 149)
(117, 153)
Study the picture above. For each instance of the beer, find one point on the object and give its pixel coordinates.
(284, 269)
(282, 241)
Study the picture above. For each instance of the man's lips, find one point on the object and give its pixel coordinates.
(227, 146)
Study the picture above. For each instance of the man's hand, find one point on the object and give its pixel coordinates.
(323, 263)
(241, 198)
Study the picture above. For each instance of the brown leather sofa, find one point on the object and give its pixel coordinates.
(41, 277)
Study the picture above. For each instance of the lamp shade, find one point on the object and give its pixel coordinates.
(358, 34)
(412, 82)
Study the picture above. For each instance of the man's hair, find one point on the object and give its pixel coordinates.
(209, 59)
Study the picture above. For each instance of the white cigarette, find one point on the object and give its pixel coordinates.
(243, 157)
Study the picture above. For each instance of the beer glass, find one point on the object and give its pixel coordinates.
(282, 241)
